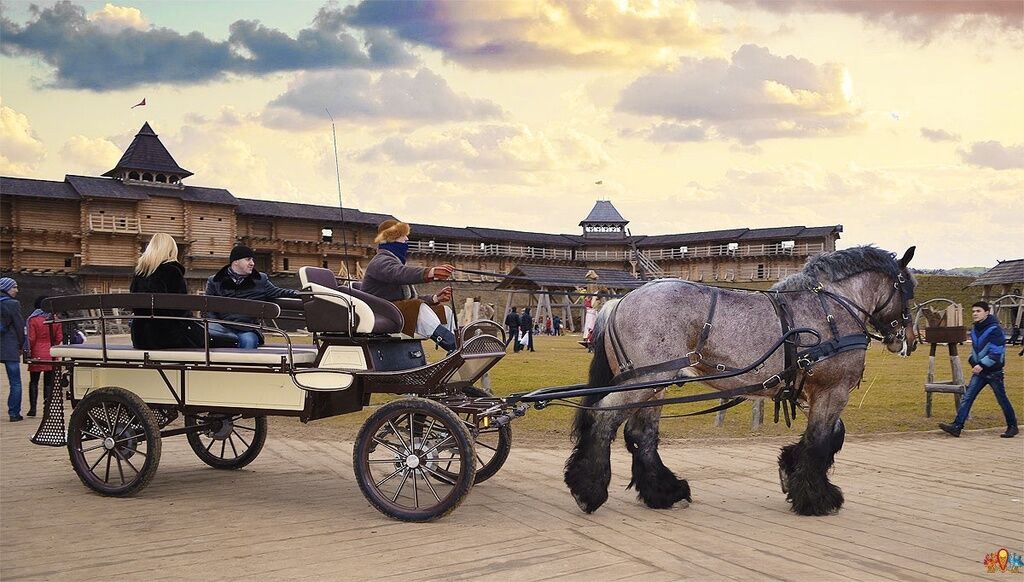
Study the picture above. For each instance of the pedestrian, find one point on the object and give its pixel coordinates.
(526, 327)
(41, 337)
(158, 271)
(512, 323)
(388, 277)
(557, 324)
(240, 279)
(12, 340)
(988, 355)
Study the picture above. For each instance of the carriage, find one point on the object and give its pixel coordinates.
(415, 458)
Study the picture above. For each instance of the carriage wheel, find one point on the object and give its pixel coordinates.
(114, 442)
(227, 441)
(399, 454)
(492, 445)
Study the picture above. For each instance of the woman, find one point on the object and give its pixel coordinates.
(388, 277)
(41, 338)
(158, 271)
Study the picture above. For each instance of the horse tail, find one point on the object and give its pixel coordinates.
(600, 372)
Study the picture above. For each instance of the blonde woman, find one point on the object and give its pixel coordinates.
(158, 271)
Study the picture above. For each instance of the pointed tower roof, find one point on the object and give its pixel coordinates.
(146, 153)
(604, 213)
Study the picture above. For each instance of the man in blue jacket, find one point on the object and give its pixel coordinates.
(241, 280)
(988, 355)
(12, 340)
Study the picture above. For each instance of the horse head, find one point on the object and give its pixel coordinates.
(894, 320)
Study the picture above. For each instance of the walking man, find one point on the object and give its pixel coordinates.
(988, 355)
(512, 323)
(12, 341)
(526, 327)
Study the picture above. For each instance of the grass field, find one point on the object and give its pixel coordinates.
(890, 399)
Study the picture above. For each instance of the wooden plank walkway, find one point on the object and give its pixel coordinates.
(919, 507)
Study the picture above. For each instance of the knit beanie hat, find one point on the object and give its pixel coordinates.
(241, 252)
(391, 230)
(6, 284)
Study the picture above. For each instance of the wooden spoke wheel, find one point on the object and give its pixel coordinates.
(114, 442)
(227, 441)
(414, 460)
(492, 445)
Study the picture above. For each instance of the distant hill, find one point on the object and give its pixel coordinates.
(946, 286)
(971, 272)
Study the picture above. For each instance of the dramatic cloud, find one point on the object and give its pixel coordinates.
(754, 96)
(20, 150)
(540, 33)
(90, 156)
(505, 148)
(938, 135)
(915, 20)
(108, 50)
(992, 154)
(422, 98)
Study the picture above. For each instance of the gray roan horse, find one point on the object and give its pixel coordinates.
(840, 294)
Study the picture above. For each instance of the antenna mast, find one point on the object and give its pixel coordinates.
(341, 203)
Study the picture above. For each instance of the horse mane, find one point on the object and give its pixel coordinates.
(838, 265)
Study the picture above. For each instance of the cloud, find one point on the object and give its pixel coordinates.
(756, 95)
(112, 49)
(992, 154)
(540, 33)
(20, 149)
(90, 156)
(914, 20)
(938, 135)
(508, 149)
(114, 18)
(423, 98)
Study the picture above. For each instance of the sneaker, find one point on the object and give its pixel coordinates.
(17, 418)
(1011, 431)
(952, 429)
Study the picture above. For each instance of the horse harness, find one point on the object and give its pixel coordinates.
(799, 359)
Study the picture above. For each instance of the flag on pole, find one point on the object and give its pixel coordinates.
(139, 104)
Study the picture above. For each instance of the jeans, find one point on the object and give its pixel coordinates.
(247, 340)
(14, 378)
(978, 381)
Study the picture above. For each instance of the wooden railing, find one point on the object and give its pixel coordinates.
(113, 223)
(758, 250)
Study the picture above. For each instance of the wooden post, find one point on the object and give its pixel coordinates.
(958, 372)
(720, 415)
(485, 382)
(757, 417)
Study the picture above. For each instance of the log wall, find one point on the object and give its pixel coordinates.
(162, 214)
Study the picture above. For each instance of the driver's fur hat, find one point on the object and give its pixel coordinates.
(391, 230)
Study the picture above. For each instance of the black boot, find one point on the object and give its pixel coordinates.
(952, 429)
(1011, 431)
(444, 338)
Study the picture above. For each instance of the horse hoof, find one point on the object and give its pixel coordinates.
(589, 506)
(784, 480)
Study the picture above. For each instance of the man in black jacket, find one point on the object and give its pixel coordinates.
(240, 280)
(12, 340)
(512, 323)
(526, 327)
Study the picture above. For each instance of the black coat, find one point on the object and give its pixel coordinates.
(256, 286)
(512, 320)
(157, 334)
(526, 323)
(12, 329)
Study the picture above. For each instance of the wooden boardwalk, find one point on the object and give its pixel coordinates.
(924, 507)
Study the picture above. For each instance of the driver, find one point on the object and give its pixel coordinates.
(388, 277)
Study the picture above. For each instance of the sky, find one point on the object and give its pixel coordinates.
(899, 120)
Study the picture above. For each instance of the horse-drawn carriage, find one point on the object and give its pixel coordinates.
(416, 457)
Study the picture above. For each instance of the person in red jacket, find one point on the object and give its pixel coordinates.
(40, 338)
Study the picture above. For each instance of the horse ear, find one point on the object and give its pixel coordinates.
(907, 256)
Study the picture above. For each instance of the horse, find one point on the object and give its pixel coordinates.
(701, 330)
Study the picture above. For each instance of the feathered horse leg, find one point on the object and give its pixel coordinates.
(804, 465)
(656, 484)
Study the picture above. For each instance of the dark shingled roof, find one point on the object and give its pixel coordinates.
(429, 231)
(324, 214)
(1004, 272)
(502, 235)
(737, 234)
(37, 188)
(105, 188)
(147, 153)
(557, 277)
(604, 213)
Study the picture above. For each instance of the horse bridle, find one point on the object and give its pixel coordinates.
(888, 333)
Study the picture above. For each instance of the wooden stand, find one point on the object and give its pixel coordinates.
(956, 386)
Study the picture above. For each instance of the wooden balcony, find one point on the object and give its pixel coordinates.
(113, 223)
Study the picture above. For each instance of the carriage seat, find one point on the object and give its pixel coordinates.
(327, 311)
(265, 355)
